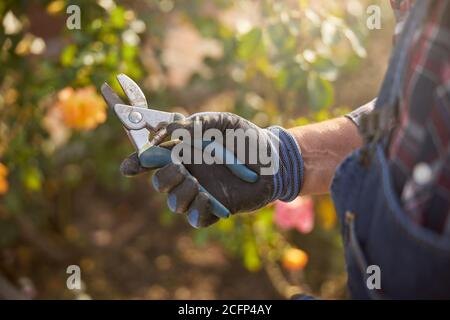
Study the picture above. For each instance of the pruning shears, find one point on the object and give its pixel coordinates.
(141, 122)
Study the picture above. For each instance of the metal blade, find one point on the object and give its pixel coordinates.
(110, 96)
(132, 91)
(139, 139)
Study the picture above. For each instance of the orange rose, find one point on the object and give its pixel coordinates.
(294, 259)
(81, 109)
(3, 181)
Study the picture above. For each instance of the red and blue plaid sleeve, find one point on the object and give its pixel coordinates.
(419, 151)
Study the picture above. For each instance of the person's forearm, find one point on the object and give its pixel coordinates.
(324, 145)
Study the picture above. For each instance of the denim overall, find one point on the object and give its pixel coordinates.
(414, 262)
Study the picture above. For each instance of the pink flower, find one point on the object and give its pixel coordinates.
(298, 214)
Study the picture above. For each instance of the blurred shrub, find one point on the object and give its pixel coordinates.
(273, 62)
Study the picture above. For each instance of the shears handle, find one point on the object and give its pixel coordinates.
(156, 157)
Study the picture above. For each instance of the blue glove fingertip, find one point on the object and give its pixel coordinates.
(172, 202)
(155, 157)
(217, 208)
(193, 217)
(155, 183)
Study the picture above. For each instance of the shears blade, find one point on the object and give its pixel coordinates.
(138, 120)
(132, 91)
(110, 96)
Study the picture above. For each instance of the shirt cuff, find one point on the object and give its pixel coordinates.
(356, 114)
(288, 180)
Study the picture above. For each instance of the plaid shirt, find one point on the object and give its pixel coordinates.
(419, 152)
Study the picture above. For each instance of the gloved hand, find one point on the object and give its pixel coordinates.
(280, 179)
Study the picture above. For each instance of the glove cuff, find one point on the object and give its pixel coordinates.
(288, 180)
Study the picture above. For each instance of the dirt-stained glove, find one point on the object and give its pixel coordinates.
(272, 153)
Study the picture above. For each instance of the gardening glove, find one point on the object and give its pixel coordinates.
(281, 179)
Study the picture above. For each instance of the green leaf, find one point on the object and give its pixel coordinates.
(225, 225)
(251, 45)
(282, 78)
(111, 59)
(326, 68)
(277, 35)
(32, 179)
(265, 217)
(68, 55)
(320, 92)
(118, 17)
(129, 53)
(251, 258)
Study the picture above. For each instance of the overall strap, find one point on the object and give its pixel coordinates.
(375, 125)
